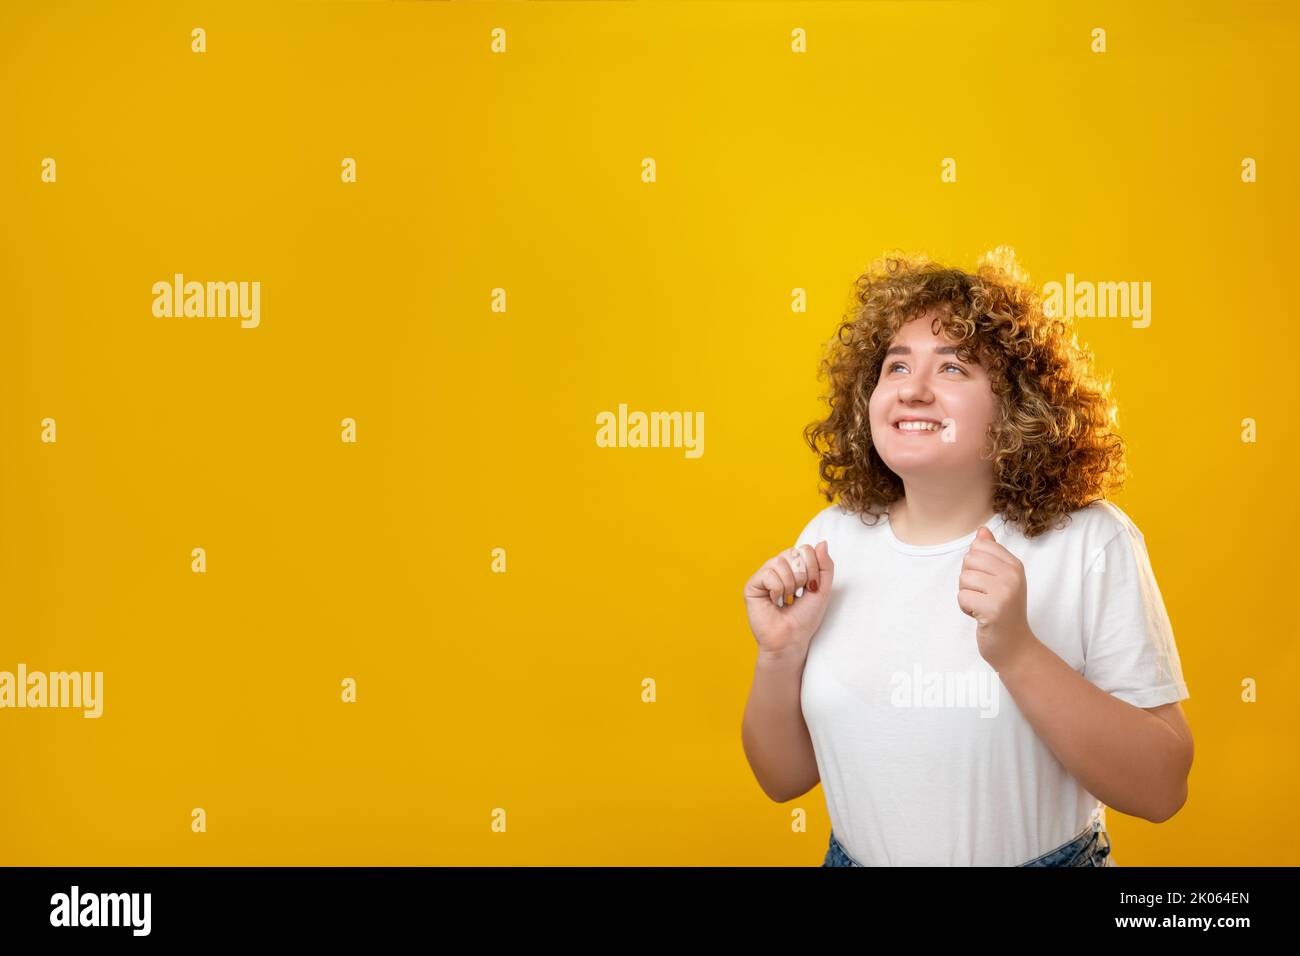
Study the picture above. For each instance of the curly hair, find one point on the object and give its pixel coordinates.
(1054, 444)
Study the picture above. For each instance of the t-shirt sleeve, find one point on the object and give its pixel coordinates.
(1129, 648)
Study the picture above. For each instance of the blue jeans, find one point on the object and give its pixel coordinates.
(1090, 848)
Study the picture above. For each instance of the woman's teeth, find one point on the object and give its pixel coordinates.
(916, 426)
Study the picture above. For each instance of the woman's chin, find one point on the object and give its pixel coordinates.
(918, 464)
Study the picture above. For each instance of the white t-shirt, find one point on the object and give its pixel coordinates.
(925, 758)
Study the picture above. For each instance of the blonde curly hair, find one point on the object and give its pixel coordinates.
(1054, 444)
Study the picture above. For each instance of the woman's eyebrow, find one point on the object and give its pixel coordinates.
(907, 350)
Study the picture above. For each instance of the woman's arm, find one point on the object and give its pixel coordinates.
(773, 732)
(1133, 759)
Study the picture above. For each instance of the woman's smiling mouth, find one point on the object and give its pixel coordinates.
(919, 427)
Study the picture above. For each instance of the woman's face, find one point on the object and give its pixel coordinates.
(922, 378)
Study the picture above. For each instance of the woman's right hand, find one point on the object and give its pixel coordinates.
(783, 623)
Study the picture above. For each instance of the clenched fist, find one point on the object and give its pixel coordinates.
(992, 590)
(786, 599)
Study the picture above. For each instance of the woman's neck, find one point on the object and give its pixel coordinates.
(921, 521)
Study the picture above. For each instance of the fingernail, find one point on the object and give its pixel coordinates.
(812, 585)
(780, 602)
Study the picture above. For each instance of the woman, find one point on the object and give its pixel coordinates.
(969, 650)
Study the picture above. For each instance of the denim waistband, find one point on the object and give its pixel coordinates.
(1090, 847)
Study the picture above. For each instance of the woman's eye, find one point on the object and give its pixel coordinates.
(895, 365)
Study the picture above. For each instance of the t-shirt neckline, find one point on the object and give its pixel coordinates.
(994, 524)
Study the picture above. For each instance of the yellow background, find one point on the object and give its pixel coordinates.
(477, 429)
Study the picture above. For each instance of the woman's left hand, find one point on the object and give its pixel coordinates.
(992, 590)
